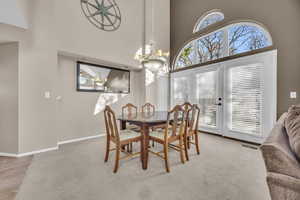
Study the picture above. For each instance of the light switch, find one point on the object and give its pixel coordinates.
(293, 95)
(47, 95)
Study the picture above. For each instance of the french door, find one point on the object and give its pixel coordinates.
(237, 98)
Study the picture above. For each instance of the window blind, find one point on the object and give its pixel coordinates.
(246, 99)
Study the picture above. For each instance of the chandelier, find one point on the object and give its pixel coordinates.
(153, 60)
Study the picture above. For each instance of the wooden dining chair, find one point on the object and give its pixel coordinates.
(187, 106)
(171, 133)
(148, 108)
(130, 110)
(191, 131)
(119, 138)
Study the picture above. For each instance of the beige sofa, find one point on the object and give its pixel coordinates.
(283, 168)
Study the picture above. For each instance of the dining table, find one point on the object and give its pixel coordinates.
(145, 120)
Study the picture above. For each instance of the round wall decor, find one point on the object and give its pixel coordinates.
(104, 14)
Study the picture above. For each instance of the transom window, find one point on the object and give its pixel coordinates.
(208, 19)
(229, 40)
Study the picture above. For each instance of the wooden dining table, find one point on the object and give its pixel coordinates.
(145, 121)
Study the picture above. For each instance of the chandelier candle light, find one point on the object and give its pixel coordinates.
(154, 60)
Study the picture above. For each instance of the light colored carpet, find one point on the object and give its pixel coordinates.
(224, 171)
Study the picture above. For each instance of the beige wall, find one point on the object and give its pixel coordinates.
(77, 35)
(79, 114)
(59, 26)
(51, 30)
(280, 17)
(9, 98)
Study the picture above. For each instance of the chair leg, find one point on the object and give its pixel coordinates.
(181, 145)
(128, 148)
(166, 157)
(107, 150)
(188, 142)
(197, 143)
(131, 147)
(153, 143)
(186, 149)
(118, 149)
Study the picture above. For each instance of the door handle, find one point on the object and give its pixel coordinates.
(218, 104)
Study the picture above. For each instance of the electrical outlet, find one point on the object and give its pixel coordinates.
(47, 95)
(293, 95)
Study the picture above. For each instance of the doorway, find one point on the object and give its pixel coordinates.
(237, 98)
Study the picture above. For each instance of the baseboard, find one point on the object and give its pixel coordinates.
(28, 153)
(8, 155)
(37, 152)
(50, 149)
(80, 139)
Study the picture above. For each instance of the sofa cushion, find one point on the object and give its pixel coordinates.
(292, 125)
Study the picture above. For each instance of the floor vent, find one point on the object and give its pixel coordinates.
(249, 146)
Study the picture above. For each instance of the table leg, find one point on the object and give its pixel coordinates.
(145, 146)
(122, 125)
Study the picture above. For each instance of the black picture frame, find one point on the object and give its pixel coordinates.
(78, 89)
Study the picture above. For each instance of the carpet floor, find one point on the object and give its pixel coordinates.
(12, 172)
(224, 171)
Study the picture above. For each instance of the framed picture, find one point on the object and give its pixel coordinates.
(98, 78)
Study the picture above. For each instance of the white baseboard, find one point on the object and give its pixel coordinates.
(37, 152)
(50, 149)
(8, 155)
(80, 139)
(28, 153)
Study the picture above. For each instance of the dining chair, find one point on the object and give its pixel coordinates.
(119, 138)
(187, 106)
(148, 108)
(191, 131)
(172, 132)
(130, 110)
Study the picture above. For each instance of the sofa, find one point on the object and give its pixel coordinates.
(282, 165)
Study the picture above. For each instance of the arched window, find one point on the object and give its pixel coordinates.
(208, 19)
(232, 39)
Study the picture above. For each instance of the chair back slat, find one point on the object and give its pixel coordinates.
(130, 110)
(193, 118)
(176, 119)
(148, 108)
(111, 123)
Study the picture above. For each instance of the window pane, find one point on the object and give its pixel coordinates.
(186, 57)
(243, 38)
(208, 20)
(180, 90)
(206, 90)
(210, 47)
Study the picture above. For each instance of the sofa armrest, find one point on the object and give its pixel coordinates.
(277, 154)
(283, 187)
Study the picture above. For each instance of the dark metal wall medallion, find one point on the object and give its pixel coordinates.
(104, 14)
